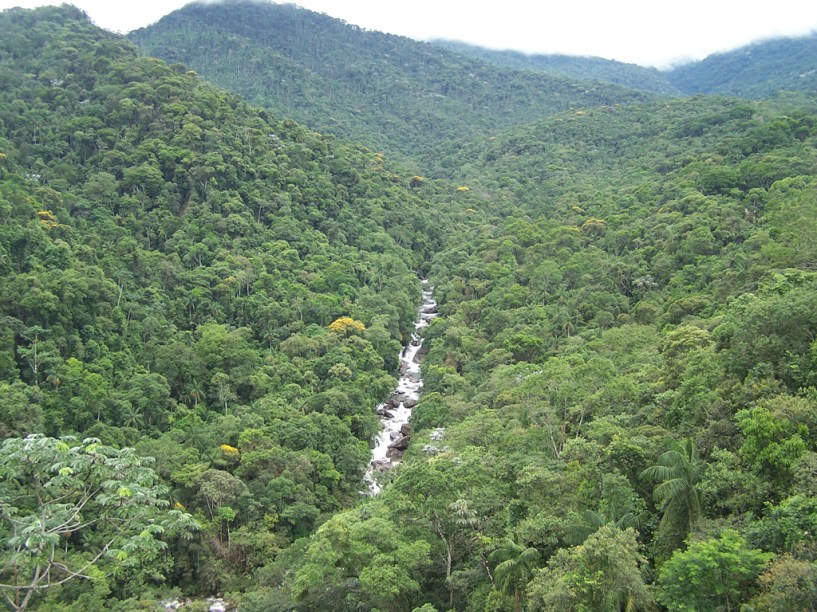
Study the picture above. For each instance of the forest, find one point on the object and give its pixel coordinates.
(203, 301)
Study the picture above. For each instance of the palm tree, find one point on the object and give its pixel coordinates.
(593, 521)
(133, 416)
(679, 472)
(515, 564)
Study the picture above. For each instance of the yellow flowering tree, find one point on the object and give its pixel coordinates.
(345, 325)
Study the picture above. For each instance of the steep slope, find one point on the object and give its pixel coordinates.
(570, 66)
(388, 92)
(171, 260)
(758, 70)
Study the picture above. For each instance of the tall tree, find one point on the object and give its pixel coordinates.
(678, 472)
(515, 563)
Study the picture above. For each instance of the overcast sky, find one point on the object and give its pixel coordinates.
(647, 32)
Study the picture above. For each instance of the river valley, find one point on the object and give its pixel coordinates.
(396, 411)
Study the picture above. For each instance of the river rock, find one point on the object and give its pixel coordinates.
(401, 443)
(385, 413)
(397, 399)
(394, 454)
(381, 465)
(420, 354)
(405, 429)
(410, 403)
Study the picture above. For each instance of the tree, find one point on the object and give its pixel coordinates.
(714, 574)
(54, 491)
(679, 471)
(593, 521)
(355, 561)
(605, 573)
(514, 565)
(788, 584)
(346, 325)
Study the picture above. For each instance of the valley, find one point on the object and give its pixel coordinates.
(305, 317)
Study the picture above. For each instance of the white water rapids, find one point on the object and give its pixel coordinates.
(395, 412)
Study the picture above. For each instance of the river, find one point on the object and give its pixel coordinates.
(396, 411)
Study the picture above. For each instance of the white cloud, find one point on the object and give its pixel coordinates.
(639, 31)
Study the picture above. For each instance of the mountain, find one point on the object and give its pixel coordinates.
(631, 307)
(631, 76)
(758, 70)
(203, 303)
(387, 92)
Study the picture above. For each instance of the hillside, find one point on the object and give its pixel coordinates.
(171, 260)
(388, 92)
(209, 300)
(640, 316)
(580, 68)
(758, 70)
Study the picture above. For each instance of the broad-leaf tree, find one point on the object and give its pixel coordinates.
(75, 510)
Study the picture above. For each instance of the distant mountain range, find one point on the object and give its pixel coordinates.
(758, 70)
(388, 92)
(404, 97)
(571, 66)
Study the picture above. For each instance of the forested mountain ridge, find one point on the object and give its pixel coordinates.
(389, 92)
(618, 389)
(632, 76)
(759, 70)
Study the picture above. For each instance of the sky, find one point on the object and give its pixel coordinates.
(657, 33)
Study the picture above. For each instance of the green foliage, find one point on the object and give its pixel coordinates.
(76, 511)
(787, 584)
(608, 277)
(604, 573)
(366, 552)
(755, 71)
(388, 92)
(716, 573)
(514, 564)
(574, 67)
(171, 259)
(678, 472)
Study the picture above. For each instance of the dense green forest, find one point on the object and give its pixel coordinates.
(390, 93)
(203, 302)
(758, 70)
(571, 66)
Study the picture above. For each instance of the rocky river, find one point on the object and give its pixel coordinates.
(395, 412)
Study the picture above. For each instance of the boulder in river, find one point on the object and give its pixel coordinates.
(410, 403)
(420, 354)
(405, 429)
(401, 443)
(394, 454)
(381, 465)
